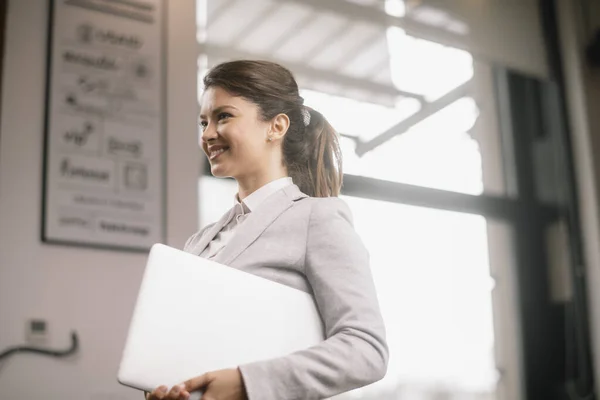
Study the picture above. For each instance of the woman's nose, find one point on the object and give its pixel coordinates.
(209, 133)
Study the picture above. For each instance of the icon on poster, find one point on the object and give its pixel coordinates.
(85, 33)
(89, 85)
(136, 176)
(131, 148)
(79, 137)
(71, 99)
(141, 70)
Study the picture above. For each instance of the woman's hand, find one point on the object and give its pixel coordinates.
(177, 392)
(226, 384)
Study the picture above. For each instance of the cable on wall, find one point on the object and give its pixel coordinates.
(42, 351)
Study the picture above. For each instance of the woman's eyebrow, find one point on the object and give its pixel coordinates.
(220, 109)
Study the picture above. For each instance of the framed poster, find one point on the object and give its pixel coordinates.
(104, 132)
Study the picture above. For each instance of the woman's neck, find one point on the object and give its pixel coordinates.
(249, 185)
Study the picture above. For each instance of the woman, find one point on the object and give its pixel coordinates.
(287, 225)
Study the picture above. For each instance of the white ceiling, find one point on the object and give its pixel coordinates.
(341, 46)
(327, 51)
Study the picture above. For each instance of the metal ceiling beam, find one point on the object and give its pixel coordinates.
(223, 7)
(328, 41)
(373, 15)
(495, 207)
(358, 49)
(310, 72)
(384, 63)
(355, 139)
(291, 32)
(427, 110)
(254, 23)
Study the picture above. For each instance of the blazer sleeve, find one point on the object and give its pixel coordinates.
(355, 352)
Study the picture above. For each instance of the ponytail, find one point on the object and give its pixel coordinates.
(312, 154)
(325, 158)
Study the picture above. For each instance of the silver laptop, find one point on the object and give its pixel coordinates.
(194, 316)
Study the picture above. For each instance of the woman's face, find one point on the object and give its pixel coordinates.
(234, 138)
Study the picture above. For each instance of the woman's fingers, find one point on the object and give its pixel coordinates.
(159, 393)
(184, 395)
(198, 382)
(178, 392)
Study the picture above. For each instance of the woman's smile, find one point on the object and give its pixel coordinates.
(214, 153)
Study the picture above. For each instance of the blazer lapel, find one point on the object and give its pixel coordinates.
(258, 221)
(211, 233)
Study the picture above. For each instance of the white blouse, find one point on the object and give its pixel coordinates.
(240, 212)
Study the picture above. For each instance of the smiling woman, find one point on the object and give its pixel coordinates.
(286, 225)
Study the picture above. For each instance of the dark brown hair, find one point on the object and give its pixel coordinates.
(311, 153)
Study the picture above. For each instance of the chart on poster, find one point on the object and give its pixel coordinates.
(104, 135)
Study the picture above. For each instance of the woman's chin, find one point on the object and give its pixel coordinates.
(218, 171)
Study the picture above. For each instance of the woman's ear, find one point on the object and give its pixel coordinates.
(279, 126)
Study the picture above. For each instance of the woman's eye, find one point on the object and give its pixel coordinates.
(223, 116)
(203, 125)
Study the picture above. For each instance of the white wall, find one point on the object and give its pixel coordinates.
(91, 291)
(583, 98)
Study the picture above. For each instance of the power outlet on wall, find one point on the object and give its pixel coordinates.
(36, 332)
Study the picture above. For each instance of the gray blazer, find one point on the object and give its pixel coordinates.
(310, 244)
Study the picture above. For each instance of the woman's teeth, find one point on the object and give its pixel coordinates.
(216, 153)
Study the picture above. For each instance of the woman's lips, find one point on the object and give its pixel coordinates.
(213, 154)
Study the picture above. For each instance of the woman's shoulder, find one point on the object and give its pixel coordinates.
(328, 207)
(327, 202)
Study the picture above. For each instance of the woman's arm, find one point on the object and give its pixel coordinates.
(355, 353)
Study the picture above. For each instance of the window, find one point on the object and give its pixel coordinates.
(438, 152)
(431, 271)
